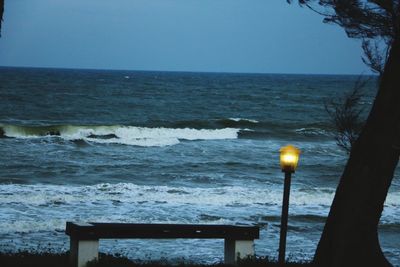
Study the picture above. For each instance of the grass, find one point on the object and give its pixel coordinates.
(47, 259)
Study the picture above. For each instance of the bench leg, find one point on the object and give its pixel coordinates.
(238, 249)
(83, 251)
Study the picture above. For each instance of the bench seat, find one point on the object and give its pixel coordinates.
(84, 237)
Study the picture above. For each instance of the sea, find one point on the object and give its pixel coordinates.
(171, 147)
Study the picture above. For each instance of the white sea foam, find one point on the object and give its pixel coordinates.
(127, 135)
(241, 119)
(49, 206)
(126, 192)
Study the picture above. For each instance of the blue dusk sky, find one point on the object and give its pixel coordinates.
(262, 36)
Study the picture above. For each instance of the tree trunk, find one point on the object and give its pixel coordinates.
(350, 236)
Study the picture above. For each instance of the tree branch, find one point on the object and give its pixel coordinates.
(1, 13)
(346, 115)
(359, 18)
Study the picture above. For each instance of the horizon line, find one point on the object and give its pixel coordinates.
(189, 71)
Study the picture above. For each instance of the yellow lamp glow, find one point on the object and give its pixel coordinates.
(289, 158)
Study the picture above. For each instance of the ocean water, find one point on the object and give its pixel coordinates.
(165, 147)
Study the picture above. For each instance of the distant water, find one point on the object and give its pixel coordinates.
(153, 147)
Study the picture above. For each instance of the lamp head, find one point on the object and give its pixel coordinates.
(289, 158)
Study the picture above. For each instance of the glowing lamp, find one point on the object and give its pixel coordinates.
(289, 158)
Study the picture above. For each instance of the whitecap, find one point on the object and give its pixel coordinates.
(117, 134)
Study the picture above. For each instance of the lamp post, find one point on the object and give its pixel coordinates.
(289, 157)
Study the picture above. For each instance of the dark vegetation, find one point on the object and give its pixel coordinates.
(28, 259)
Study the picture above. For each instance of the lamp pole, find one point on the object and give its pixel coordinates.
(289, 157)
(284, 218)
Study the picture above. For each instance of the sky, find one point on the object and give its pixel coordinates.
(251, 36)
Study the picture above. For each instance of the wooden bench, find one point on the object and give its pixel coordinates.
(84, 237)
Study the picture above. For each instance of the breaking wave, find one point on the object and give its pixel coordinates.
(117, 134)
(126, 202)
(314, 131)
(165, 135)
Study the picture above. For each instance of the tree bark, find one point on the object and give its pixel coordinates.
(350, 236)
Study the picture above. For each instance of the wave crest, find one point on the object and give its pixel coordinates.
(117, 134)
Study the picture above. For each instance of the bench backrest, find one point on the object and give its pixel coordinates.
(90, 231)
